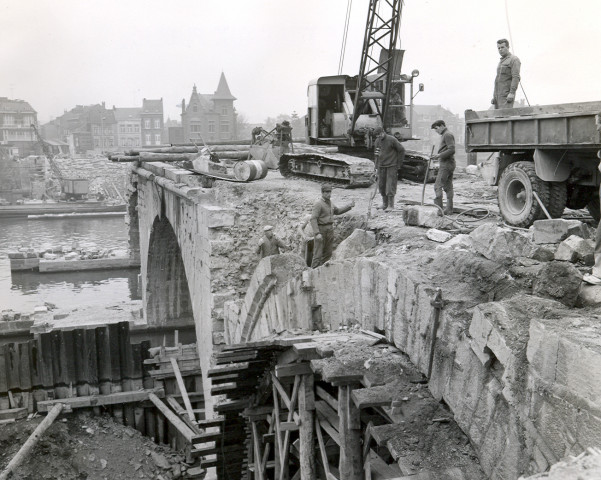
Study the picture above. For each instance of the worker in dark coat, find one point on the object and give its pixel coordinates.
(508, 77)
(270, 244)
(322, 219)
(389, 157)
(446, 156)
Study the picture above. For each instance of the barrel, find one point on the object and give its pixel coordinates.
(250, 170)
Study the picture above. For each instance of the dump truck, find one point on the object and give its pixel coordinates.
(542, 156)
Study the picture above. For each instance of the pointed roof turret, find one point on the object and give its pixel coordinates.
(223, 90)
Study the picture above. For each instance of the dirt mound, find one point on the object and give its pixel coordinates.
(82, 447)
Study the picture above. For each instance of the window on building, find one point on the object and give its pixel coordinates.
(147, 142)
(137, 142)
(157, 138)
(195, 108)
(211, 126)
(9, 120)
(147, 123)
(121, 128)
(157, 123)
(194, 127)
(95, 129)
(130, 128)
(224, 110)
(224, 127)
(136, 128)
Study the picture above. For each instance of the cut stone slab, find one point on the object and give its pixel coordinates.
(556, 230)
(424, 216)
(438, 235)
(358, 242)
(560, 281)
(500, 244)
(576, 249)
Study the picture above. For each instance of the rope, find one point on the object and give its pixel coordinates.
(511, 40)
(344, 36)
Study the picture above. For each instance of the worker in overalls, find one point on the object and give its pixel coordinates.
(508, 77)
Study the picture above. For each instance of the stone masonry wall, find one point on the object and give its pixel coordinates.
(516, 373)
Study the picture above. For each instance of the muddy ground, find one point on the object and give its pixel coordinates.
(81, 447)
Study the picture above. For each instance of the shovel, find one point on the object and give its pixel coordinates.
(426, 174)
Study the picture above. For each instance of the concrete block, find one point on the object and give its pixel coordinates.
(560, 281)
(438, 235)
(576, 249)
(500, 244)
(424, 216)
(556, 230)
(218, 217)
(354, 245)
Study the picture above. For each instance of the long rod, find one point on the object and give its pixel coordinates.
(31, 441)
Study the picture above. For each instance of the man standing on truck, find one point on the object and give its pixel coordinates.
(508, 77)
(389, 155)
(322, 219)
(446, 156)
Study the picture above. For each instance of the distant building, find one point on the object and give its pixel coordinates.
(151, 118)
(424, 117)
(210, 117)
(173, 132)
(16, 117)
(129, 127)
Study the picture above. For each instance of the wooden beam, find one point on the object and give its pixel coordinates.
(306, 407)
(259, 472)
(98, 400)
(322, 448)
(182, 389)
(13, 414)
(281, 391)
(293, 369)
(350, 439)
(179, 424)
(286, 446)
(177, 408)
(329, 399)
(307, 351)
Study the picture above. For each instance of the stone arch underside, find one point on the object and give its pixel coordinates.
(167, 292)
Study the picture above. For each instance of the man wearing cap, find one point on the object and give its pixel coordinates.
(269, 244)
(389, 156)
(446, 155)
(322, 219)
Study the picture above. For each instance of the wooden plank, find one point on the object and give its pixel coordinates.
(24, 366)
(168, 373)
(329, 399)
(177, 408)
(92, 361)
(12, 366)
(182, 388)
(280, 389)
(350, 464)
(13, 413)
(98, 400)
(322, 448)
(212, 422)
(103, 352)
(173, 419)
(235, 367)
(259, 472)
(327, 413)
(307, 351)
(293, 369)
(81, 362)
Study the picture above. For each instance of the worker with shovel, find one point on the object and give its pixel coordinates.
(446, 155)
(389, 157)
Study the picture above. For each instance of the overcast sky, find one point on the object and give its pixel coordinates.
(57, 54)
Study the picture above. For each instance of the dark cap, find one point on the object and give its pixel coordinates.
(378, 130)
(326, 188)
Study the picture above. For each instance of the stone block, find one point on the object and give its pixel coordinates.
(556, 230)
(354, 245)
(589, 296)
(218, 217)
(424, 216)
(222, 247)
(576, 249)
(560, 281)
(176, 174)
(458, 242)
(158, 168)
(542, 253)
(438, 235)
(542, 350)
(500, 244)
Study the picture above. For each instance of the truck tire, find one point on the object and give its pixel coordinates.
(515, 195)
(558, 196)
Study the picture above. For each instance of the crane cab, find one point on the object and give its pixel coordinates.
(331, 103)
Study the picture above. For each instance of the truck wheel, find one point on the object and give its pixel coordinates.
(516, 200)
(558, 196)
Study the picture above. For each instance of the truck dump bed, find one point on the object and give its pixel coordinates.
(563, 126)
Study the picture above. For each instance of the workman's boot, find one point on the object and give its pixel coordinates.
(390, 202)
(438, 203)
(449, 208)
(384, 202)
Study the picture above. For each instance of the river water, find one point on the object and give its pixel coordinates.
(22, 291)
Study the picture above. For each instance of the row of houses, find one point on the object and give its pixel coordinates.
(204, 117)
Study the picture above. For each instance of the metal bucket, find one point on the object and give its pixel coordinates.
(250, 170)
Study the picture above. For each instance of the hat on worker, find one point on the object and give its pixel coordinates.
(326, 188)
(267, 228)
